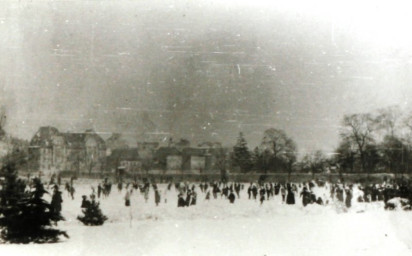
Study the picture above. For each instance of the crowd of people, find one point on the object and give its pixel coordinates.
(312, 192)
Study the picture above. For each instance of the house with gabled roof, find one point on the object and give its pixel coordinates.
(53, 151)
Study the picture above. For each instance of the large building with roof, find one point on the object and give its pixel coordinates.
(54, 151)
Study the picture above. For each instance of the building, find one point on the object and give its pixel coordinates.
(168, 158)
(115, 141)
(51, 151)
(127, 159)
(152, 146)
(189, 159)
(194, 159)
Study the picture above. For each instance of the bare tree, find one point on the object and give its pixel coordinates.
(358, 130)
(346, 155)
(314, 162)
(278, 147)
(388, 119)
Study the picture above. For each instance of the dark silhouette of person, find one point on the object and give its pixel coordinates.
(85, 202)
(290, 198)
(180, 201)
(57, 200)
(305, 194)
(231, 197)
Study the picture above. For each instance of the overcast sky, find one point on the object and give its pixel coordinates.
(202, 70)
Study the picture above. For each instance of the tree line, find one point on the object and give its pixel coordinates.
(276, 153)
(379, 141)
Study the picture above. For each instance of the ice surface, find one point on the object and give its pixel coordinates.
(217, 227)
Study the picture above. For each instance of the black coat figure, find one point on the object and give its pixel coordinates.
(72, 190)
(277, 188)
(127, 199)
(180, 201)
(254, 192)
(339, 194)
(305, 196)
(99, 190)
(56, 202)
(348, 199)
(85, 202)
(193, 198)
(290, 198)
(262, 193)
(312, 198)
(188, 197)
(157, 197)
(231, 197)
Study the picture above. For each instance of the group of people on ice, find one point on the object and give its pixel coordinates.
(187, 196)
(144, 190)
(289, 193)
(340, 193)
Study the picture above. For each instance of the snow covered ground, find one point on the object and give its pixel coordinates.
(216, 227)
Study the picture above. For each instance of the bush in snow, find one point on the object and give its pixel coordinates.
(93, 216)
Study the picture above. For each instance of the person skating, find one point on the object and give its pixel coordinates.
(127, 199)
(72, 190)
(374, 193)
(277, 189)
(188, 197)
(262, 193)
(237, 189)
(157, 197)
(269, 190)
(56, 202)
(348, 199)
(146, 195)
(283, 193)
(193, 198)
(180, 201)
(215, 191)
(208, 195)
(254, 192)
(313, 198)
(231, 197)
(249, 190)
(305, 194)
(290, 198)
(85, 202)
(339, 194)
(99, 190)
(67, 187)
(225, 191)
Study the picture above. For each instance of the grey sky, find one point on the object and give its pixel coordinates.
(202, 70)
